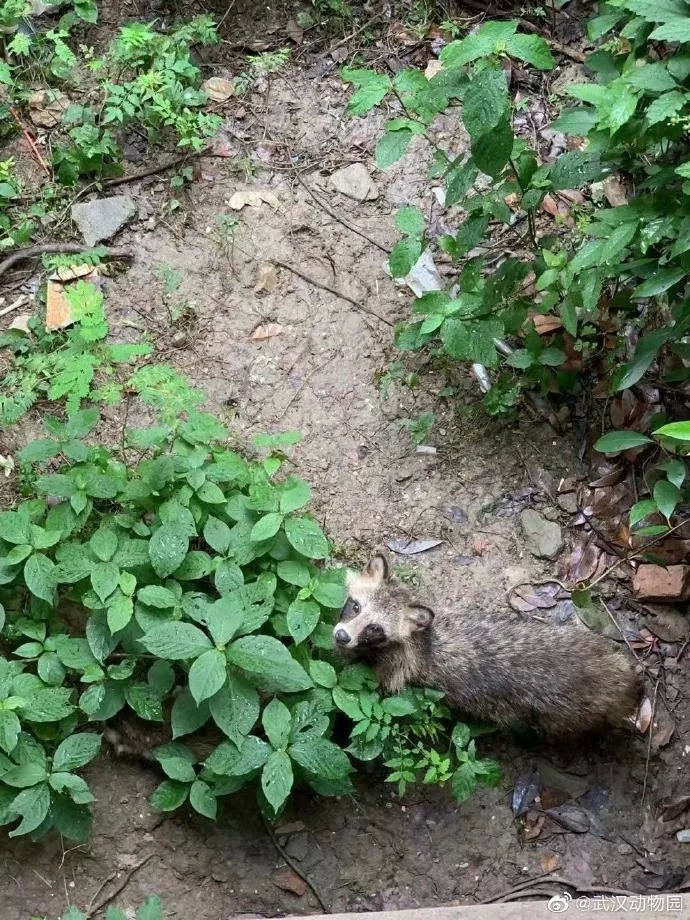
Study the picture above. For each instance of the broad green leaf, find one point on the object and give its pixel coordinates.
(169, 795)
(39, 576)
(224, 618)
(660, 282)
(463, 782)
(228, 577)
(33, 805)
(532, 49)
(50, 669)
(74, 786)
(552, 357)
(104, 543)
(306, 537)
(678, 430)
(491, 151)
(105, 577)
(487, 772)
(277, 779)
(461, 736)
(666, 106)
(76, 751)
(331, 594)
(666, 496)
(207, 675)
(641, 510)
(616, 441)
(167, 549)
(411, 221)
(323, 674)
(322, 757)
(266, 527)
(157, 596)
(269, 662)
(673, 30)
(35, 451)
(371, 89)
(302, 617)
(675, 470)
(151, 909)
(391, 146)
(186, 716)
(276, 720)
(487, 40)
(217, 534)
(10, 727)
(202, 800)
(235, 708)
(347, 703)
(485, 103)
(229, 760)
(24, 775)
(294, 572)
(177, 762)
(295, 493)
(145, 700)
(176, 641)
(398, 706)
(403, 256)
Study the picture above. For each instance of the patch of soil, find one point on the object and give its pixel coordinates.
(321, 374)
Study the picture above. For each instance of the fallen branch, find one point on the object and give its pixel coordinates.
(31, 252)
(31, 142)
(326, 287)
(556, 46)
(95, 908)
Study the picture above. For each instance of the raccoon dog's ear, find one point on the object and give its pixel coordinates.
(377, 569)
(419, 616)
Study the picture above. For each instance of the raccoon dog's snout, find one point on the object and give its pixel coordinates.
(341, 636)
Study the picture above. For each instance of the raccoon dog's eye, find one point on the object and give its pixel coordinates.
(356, 607)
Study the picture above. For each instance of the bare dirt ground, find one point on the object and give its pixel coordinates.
(321, 375)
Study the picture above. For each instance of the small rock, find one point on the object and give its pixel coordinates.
(660, 583)
(179, 339)
(46, 107)
(684, 835)
(101, 219)
(568, 502)
(542, 538)
(297, 846)
(464, 560)
(288, 880)
(455, 513)
(624, 849)
(355, 182)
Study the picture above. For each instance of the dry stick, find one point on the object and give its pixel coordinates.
(649, 746)
(32, 251)
(326, 287)
(91, 910)
(295, 868)
(556, 46)
(32, 143)
(13, 306)
(558, 880)
(341, 220)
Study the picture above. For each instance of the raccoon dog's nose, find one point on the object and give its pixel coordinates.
(342, 637)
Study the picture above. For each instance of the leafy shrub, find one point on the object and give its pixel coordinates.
(151, 909)
(612, 284)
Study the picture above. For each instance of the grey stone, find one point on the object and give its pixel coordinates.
(355, 182)
(568, 502)
(542, 538)
(684, 835)
(298, 846)
(101, 219)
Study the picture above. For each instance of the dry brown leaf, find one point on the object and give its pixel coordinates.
(664, 728)
(644, 716)
(582, 561)
(667, 624)
(610, 478)
(58, 310)
(544, 323)
(432, 68)
(533, 825)
(46, 108)
(218, 89)
(288, 880)
(616, 190)
(267, 331)
(71, 272)
(549, 862)
(267, 280)
(254, 198)
(294, 32)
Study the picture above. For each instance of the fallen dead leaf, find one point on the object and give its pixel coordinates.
(549, 862)
(267, 280)
(571, 817)
(432, 68)
(21, 322)
(58, 309)
(644, 716)
(288, 880)
(71, 272)
(265, 331)
(218, 89)
(480, 546)
(526, 598)
(294, 31)
(616, 190)
(667, 624)
(664, 728)
(534, 822)
(525, 791)
(545, 324)
(672, 807)
(406, 547)
(254, 198)
(46, 108)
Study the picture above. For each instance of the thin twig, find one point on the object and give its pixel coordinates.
(19, 255)
(20, 301)
(556, 46)
(331, 290)
(558, 880)
(92, 910)
(635, 553)
(153, 170)
(295, 868)
(341, 220)
(32, 143)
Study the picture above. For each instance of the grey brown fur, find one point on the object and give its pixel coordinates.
(559, 681)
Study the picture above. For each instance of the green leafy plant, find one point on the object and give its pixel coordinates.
(151, 909)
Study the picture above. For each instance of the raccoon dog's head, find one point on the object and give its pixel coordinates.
(378, 611)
